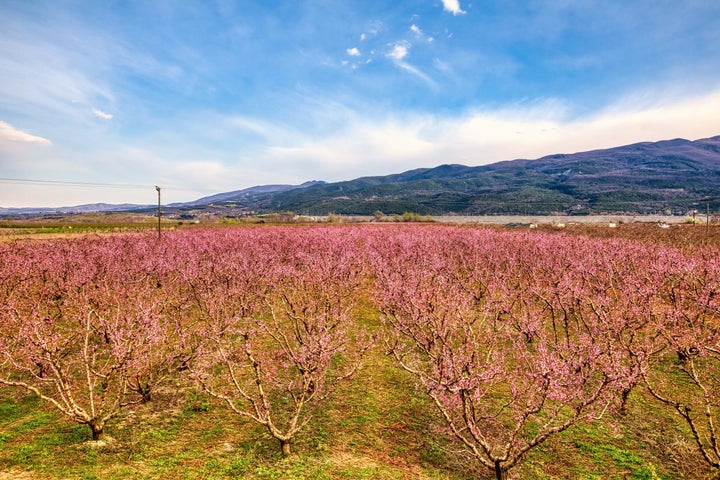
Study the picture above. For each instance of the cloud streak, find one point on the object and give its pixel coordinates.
(103, 115)
(12, 134)
(398, 53)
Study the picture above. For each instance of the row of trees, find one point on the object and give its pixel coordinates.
(513, 336)
(517, 337)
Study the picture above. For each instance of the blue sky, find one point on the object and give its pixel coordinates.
(202, 97)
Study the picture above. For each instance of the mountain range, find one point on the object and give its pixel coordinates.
(671, 176)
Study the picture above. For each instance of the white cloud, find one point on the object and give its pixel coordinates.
(366, 148)
(358, 144)
(101, 114)
(452, 6)
(532, 132)
(399, 51)
(362, 37)
(10, 133)
(420, 34)
(379, 146)
(353, 52)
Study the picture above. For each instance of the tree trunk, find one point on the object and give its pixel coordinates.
(624, 402)
(285, 445)
(500, 472)
(144, 389)
(97, 431)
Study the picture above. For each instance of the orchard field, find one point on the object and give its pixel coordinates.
(362, 351)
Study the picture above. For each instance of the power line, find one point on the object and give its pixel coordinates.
(28, 181)
(63, 183)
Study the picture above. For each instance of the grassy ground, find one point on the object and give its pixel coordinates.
(88, 223)
(376, 426)
(372, 428)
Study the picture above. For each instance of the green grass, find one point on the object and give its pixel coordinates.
(367, 430)
(375, 426)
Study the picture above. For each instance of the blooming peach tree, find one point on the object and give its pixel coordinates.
(78, 324)
(501, 334)
(683, 372)
(276, 336)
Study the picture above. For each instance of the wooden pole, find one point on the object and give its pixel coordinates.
(707, 217)
(158, 190)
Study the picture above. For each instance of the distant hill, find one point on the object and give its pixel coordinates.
(672, 175)
(77, 209)
(245, 195)
(222, 199)
(644, 178)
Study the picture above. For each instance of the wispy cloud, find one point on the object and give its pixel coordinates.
(418, 73)
(398, 53)
(385, 142)
(365, 148)
(353, 52)
(452, 6)
(376, 146)
(420, 34)
(549, 127)
(12, 134)
(103, 115)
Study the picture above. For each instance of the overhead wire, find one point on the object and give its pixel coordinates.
(67, 183)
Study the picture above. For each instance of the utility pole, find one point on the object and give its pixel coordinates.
(707, 215)
(158, 190)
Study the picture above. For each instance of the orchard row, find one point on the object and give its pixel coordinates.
(514, 336)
